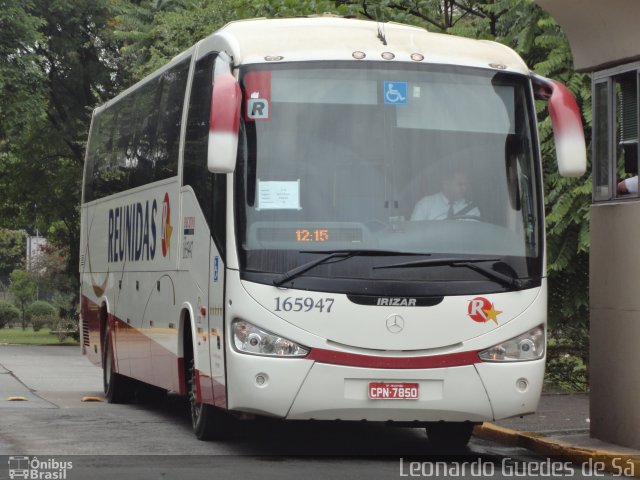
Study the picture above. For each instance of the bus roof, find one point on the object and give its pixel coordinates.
(336, 38)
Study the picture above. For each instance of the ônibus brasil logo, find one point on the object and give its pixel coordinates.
(133, 229)
(482, 310)
(34, 469)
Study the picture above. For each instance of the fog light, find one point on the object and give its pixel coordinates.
(522, 384)
(261, 379)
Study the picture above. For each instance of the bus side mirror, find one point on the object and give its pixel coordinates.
(224, 124)
(568, 134)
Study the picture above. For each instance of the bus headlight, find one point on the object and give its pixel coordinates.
(248, 338)
(528, 346)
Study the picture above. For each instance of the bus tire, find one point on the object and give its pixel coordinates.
(209, 422)
(449, 435)
(117, 388)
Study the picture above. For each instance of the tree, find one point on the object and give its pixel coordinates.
(8, 314)
(67, 52)
(19, 77)
(48, 269)
(23, 288)
(152, 33)
(12, 251)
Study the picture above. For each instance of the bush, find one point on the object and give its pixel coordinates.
(67, 327)
(41, 314)
(40, 308)
(9, 314)
(567, 358)
(41, 321)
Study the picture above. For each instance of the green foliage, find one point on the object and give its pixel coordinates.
(41, 314)
(57, 68)
(29, 337)
(152, 33)
(12, 248)
(293, 8)
(40, 308)
(9, 314)
(20, 89)
(66, 328)
(568, 358)
(567, 200)
(51, 277)
(38, 322)
(23, 288)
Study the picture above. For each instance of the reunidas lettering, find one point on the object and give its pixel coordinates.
(132, 232)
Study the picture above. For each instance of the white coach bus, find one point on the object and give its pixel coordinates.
(324, 218)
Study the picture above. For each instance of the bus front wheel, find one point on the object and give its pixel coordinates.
(449, 435)
(209, 423)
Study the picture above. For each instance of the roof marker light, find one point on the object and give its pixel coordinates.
(417, 57)
(273, 58)
(358, 55)
(388, 55)
(498, 66)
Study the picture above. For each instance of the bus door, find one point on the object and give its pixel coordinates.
(216, 325)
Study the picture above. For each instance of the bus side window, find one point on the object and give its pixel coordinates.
(136, 140)
(94, 150)
(142, 143)
(171, 103)
(210, 189)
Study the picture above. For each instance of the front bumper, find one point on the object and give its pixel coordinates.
(303, 389)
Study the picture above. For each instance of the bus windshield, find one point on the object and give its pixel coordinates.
(387, 159)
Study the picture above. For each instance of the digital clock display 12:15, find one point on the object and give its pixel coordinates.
(312, 235)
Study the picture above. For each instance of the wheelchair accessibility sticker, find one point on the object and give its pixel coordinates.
(395, 93)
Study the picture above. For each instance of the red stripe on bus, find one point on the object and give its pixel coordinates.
(370, 361)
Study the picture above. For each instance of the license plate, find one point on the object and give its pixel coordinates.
(393, 391)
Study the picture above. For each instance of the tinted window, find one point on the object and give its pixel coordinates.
(136, 140)
(174, 83)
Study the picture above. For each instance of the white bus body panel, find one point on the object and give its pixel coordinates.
(130, 251)
(148, 299)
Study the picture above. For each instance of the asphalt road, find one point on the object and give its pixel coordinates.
(154, 441)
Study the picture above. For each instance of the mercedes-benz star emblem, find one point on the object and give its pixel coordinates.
(395, 323)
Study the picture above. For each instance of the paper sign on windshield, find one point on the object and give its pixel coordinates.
(279, 195)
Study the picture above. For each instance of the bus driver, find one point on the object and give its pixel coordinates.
(450, 202)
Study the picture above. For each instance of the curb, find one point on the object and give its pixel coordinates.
(608, 460)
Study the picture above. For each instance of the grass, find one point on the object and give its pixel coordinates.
(17, 336)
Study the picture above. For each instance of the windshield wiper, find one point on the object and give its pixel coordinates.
(471, 263)
(294, 272)
(330, 254)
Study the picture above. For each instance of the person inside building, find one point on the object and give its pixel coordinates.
(628, 185)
